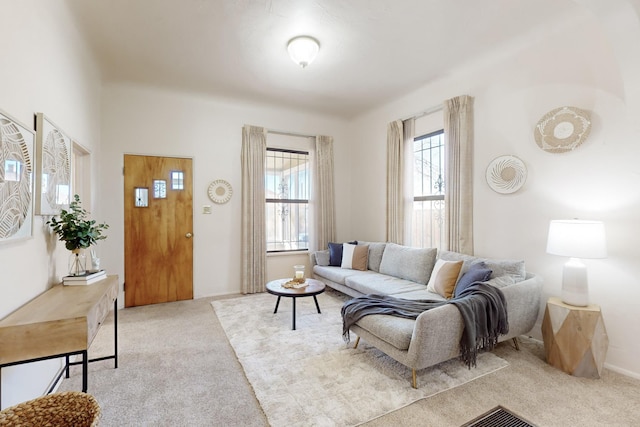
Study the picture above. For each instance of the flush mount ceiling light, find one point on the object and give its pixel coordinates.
(303, 50)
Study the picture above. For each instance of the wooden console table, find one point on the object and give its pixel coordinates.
(60, 322)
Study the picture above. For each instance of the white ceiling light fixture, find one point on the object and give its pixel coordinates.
(303, 50)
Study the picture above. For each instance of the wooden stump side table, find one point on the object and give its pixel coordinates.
(575, 339)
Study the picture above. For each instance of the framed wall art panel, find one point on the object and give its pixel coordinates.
(53, 174)
(17, 143)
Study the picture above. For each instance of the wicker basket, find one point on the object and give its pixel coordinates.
(71, 408)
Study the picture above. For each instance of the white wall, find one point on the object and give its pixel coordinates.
(150, 121)
(45, 68)
(591, 62)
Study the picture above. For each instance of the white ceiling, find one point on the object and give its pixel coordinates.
(372, 51)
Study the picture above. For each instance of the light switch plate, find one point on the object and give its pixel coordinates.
(206, 209)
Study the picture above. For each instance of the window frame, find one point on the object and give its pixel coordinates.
(291, 201)
(431, 197)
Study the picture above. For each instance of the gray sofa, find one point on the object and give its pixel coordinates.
(404, 272)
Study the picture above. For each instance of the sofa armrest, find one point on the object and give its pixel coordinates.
(523, 305)
(437, 332)
(436, 336)
(312, 259)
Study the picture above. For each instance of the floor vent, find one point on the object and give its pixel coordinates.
(498, 417)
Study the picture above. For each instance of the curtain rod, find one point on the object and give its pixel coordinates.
(279, 132)
(426, 112)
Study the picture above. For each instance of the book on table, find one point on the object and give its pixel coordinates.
(85, 279)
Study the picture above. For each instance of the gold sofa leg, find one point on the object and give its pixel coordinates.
(516, 343)
(414, 381)
(357, 342)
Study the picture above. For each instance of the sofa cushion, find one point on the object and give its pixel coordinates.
(381, 284)
(422, 294)
(376, 249)
(355, 256)
(397, 331)
(413, 264)
(500, 267)
(322, 257)
(502, 281)
(335, 253)
(477, 273)
(337, 274)
(444, 277)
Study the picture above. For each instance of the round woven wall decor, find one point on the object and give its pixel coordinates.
(506, 174)
(220, 191)
(562, 129)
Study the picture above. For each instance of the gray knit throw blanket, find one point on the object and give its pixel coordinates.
(482, 307)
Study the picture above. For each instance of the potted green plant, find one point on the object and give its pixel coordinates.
(77, 232)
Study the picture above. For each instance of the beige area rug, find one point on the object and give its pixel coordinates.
(310, 377)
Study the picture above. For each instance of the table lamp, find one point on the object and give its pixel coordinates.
(576, 239)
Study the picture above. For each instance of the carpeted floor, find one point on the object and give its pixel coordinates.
(178, 368)
(310, 377)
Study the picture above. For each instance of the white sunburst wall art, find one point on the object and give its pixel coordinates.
(53, 175)
(506, 174)
(17, 144)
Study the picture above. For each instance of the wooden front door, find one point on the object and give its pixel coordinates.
(158, 227)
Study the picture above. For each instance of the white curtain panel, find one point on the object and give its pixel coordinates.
(324, 193)
(408, 130)
(395, 188)
(458, 132)
(254, 247)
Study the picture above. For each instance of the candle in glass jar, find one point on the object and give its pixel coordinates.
(298, 271)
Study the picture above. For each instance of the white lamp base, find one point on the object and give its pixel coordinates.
(575, 288)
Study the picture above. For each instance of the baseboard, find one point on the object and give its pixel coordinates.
(55, 382)
(609, 366)
(56, 379)
(621, 371)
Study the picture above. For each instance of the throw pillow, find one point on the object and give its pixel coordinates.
(476, 273)
(355, 257)
(335, 253)
(407, 263)
(322, 258)
(376, 249)
(444, 277)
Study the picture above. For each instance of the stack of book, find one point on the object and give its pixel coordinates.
(85, 279)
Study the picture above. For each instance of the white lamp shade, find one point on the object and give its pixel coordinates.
(303, 50)
(577, 239)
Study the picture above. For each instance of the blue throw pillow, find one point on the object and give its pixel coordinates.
(477, 273)
(335, 253)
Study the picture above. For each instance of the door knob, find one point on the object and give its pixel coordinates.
(188, 235)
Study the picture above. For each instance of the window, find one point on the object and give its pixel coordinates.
(287, 176)
(159, 189)
(177, 180)
(427, 228)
